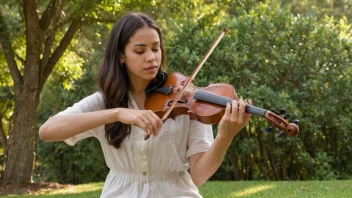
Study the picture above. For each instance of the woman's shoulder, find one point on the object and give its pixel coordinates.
(96, 99)
(99, 96)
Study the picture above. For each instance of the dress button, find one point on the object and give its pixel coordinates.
(144, 173)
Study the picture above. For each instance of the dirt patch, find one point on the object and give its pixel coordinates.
(33, 188)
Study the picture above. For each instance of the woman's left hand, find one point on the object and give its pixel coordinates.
(234, 119)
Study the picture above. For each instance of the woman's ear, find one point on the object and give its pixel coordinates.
(122, 59)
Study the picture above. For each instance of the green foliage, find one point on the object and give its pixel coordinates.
(283, 61)
(319, 8)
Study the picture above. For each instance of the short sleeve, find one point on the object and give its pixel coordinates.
(90, 103)
(200, 138)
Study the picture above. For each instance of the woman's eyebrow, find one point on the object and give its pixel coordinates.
(143, 45)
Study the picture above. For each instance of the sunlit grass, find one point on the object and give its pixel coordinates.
(219, 189)
(91, 187)
(251, 191)
(270, 189)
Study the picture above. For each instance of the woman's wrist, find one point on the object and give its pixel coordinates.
(224, 139)
(116, 114)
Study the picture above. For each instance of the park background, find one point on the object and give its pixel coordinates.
(294, 55)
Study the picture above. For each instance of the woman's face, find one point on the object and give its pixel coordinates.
(142, 55)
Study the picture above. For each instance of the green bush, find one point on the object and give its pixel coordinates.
(282, 61)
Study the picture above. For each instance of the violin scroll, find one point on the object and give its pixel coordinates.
(287, 129)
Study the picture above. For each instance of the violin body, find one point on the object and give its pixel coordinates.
(204, 112)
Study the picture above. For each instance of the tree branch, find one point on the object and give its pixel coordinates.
(34, 40)
(48, 65)
(49, 14)
(32, 26)
(46, 18)
(9, 53)
(47, 49)
(50, 39)
(57, 15)
(65, 41)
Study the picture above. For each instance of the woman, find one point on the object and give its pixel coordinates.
(134, 62)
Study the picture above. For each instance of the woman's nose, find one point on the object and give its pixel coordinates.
(150, 56)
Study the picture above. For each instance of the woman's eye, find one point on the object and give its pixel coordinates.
(140, 52)
(155, 49)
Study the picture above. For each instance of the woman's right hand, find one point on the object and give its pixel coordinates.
(146, 119)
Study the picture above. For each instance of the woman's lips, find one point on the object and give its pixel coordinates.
(151, 68)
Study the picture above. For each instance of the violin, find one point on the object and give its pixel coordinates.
(205, 104)
(176, 95)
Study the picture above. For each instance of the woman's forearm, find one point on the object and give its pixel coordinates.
(209, 162)
(61, 127)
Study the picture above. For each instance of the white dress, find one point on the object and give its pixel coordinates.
(153, 168)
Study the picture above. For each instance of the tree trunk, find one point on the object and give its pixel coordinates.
(272, 160)
(234, 161)
(18, 168)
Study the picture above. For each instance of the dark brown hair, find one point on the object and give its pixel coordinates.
(113, 80)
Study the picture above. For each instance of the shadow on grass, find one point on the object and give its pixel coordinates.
(87, 194)
(80, 191)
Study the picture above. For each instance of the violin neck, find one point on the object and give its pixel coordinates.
(222, 101)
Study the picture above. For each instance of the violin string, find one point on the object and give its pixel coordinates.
(213, 98)
(222, 101)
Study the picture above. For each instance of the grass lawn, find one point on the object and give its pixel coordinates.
(262, 189)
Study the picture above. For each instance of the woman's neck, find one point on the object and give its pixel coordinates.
(138, 89)
(138, 86)
(138, 92)
(139, 98)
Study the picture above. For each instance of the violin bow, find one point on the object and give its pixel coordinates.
(195, 72)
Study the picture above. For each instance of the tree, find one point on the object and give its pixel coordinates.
(44, 22)
(49, 26)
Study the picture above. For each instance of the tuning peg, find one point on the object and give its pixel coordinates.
(281, 135)
(274, 111)
(268, 130)
(286, 115)
(282, 111)
(296, 121)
